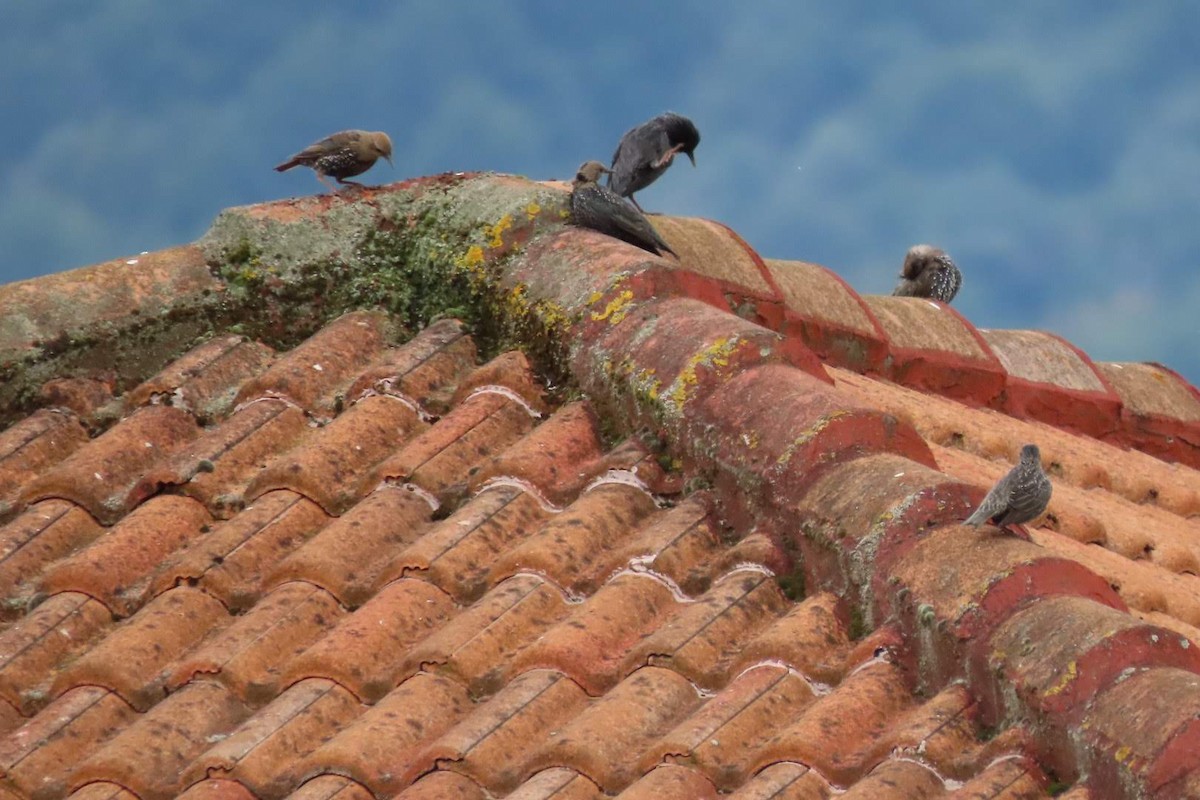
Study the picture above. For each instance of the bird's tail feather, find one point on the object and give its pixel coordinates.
(285, 166)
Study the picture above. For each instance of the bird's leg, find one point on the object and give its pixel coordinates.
(667, 157)
(329, 185)
(635, 204)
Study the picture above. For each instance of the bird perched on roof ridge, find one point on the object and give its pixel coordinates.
(646, 150)
(601, 209)
(928, 272)
(342, 155)
(1018, 497)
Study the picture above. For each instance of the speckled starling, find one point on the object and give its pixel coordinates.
(928, 272)
(646, 151)
(1019, 496)
(342, 155)
(593, 206)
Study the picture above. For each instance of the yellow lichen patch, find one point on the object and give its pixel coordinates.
(1122, 754)
(495, 233)
(532, 210)
(616, 310)
(564, 214)
(808, 435)
(1065, 680)
(472, 258)
(715, 355)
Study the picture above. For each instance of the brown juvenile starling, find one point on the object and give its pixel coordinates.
(928, 272)
(646, 151)
(1019, 496)
(593, 206)
(342, 155)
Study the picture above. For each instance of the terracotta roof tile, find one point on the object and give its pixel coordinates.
(811, 638)
(508, 371)
(477, 646)
(897, 779)
(263, 752)
(827, 315)
(380, 748)
(425, 370)
(249, 654)
(330, 465)
(148, 757)
(441, 785)
(206, 379)
(785, 780)
(38, 758)
(103, 790)
(216, 468)
(1161, 410)
(457, 553)
(33, 648)
(310, 374)
(703, 637)
(557, 783)
(680, 544)
(331, 787)
(364, 650)
(711, 249)
(233, 560)
(491, 744)
(115, 568)
(592, 643)
(607, 740)
(87, 398)
(670, 780)
(347, 556)
(43, 533)
(32, 446)
(217, 790)
(131, 658)
(100, 475)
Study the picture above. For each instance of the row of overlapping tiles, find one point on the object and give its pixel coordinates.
(508, 637)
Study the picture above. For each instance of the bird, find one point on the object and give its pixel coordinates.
(645, 152)
(1019, 496)
(928, 272)
(601, 209)
(342, 155)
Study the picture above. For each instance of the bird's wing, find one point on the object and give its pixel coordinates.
(995, 503)
(637, 152)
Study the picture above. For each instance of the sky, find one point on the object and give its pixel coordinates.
(1051, 147)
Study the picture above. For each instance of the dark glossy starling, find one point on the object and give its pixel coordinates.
(342, 155)
(593, 206)
(1019, 496)
(928, 272)
(646, 151)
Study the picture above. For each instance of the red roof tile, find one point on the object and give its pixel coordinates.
(403, 574)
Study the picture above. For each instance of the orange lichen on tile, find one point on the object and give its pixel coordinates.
(457, 553)
(703, 637)
(37, 758)
(216, 468)
(100, 475)
(477, 646)
(557, 783)
(131, 659)
(149, 756)
(35, 646)
(491, 745)
(441, 459)
(576, 548)
(680, 544)
(425, 369)
(42, 534)
(249, 655)
(829, 732)
(264, 752)
(347, 556)
(116, 567)
(32, 446)
(607, 741)
(323, 363)
(559, 457)
(329, 466)
(364, 652)
(670, 780)
(811, 638)
(591, 645)
(379, 748)
(232, 562)
(722, 738)
(786, 780)
(205, 379)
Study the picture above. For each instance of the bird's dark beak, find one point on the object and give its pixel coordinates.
(389, 160)
(692, 158)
